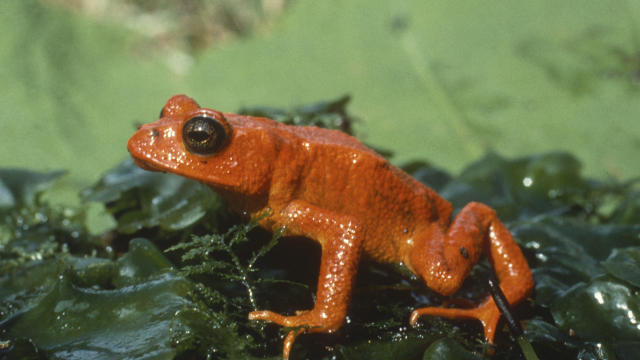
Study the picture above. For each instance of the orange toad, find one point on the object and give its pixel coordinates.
(327, 186)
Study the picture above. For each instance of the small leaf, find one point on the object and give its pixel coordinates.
(521, 187)
(142, 199)
(599, 310)
(141, 261)
(326, 114)
(447, 349)
(23, 186)
(624, 264)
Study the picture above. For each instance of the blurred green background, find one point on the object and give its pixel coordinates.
(438, 80)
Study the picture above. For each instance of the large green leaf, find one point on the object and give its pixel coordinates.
(448, 80)
(73, 90)
(435, 79)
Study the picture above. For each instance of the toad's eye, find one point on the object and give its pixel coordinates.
(203, 135)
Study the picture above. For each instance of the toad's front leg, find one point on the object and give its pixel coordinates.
(341, 239)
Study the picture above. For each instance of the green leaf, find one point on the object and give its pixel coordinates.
(628, 212)
(142, 199)
(404, 346)
(445, 349)
(449, 80)
(438, 79)
(600, 309)
(624, 264)
(141, 261)
(326, 114)
(521, 187)
(568, 251)
(91, 317)
(65, 105)
(22, 187)
(32, 229)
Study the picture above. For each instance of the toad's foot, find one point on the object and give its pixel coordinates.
(487, 313)
(313, 321)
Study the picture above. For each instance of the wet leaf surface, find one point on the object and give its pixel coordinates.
(97, 308)
(624, 264)
(141, 199)
(447, 349)
(599, 310)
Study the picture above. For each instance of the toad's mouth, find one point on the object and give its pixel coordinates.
(147, 165)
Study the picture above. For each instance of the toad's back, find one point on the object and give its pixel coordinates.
(387, 202)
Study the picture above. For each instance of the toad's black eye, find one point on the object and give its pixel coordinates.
(203, 135)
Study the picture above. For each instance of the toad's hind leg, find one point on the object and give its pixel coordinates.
(444, 260)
